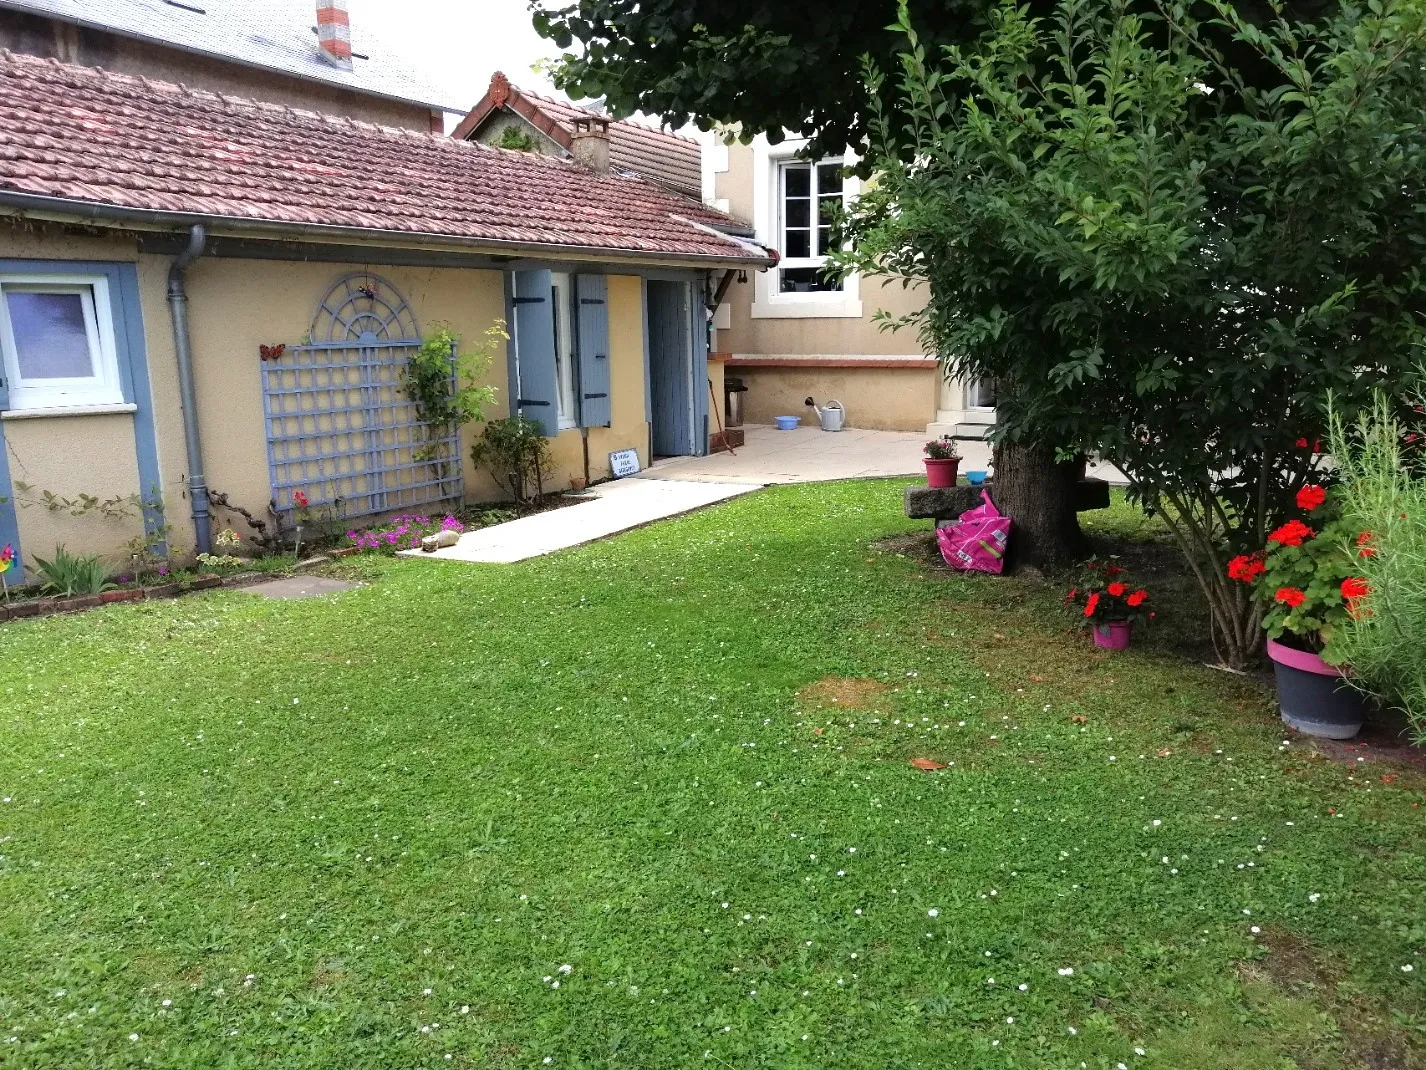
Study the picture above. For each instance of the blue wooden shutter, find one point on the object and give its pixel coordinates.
(595, 407)
(537, 384)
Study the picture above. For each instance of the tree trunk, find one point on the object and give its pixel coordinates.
(1039, 494)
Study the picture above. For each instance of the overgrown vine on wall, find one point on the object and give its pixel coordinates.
(446, 386)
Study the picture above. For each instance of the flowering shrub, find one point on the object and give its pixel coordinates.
(1384, 494)
(1102, 595)
(403, 533)
(1306, 576)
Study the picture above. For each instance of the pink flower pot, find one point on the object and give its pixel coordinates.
(942, 472)
(1113, 635)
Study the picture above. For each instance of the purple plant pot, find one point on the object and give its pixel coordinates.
(1113, 635)
(1315, 697)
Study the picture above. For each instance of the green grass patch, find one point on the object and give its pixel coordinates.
(647, 804)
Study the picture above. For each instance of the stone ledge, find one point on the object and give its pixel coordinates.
(947, 503)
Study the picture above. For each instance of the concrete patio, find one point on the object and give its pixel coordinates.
(808, 454)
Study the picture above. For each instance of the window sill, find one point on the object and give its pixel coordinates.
(68, 410)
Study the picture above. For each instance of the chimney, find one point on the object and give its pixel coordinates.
(334, 33)
(590, 143)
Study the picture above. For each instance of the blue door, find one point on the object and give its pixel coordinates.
(672, 401)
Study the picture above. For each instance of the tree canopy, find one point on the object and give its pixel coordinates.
(1156, 258)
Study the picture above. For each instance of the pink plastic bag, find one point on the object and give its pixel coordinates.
(977, 541)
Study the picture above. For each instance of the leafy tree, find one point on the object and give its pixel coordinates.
(1160, 256)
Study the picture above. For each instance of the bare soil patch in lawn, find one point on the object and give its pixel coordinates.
(844, 693)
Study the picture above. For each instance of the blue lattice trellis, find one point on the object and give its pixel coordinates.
(340, 428)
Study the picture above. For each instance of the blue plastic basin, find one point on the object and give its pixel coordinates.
(977, 477)
(787, 423)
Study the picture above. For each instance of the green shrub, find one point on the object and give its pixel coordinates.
(68, 574)
(517, 454)
(1384, 493)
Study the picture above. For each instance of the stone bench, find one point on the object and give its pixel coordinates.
(948, 503)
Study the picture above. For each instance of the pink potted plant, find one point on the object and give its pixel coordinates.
(1306, 579)
(942, 460)
(1108, 606)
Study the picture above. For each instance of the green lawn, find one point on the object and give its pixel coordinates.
(586, 812)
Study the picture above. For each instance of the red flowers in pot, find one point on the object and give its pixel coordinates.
(1305, 579)
(1108, 605)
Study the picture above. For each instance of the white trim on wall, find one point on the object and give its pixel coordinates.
(714, 162)
(768, 303)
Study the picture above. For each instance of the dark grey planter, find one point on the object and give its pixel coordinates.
(1315, 697)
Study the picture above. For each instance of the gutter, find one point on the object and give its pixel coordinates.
(63, 209)
(188, 394)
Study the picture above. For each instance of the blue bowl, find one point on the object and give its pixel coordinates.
(977, 477)
(787, 423)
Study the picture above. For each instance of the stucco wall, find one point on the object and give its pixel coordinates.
(235, 307)
(888, 399)
(39, 36)
(627, 427)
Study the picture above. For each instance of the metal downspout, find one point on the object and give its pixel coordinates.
(188, 395)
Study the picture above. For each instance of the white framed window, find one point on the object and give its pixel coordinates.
(808, 196)
(57, 342)
(563, 311)
(793, 203)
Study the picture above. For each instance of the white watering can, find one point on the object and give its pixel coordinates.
(832, 415)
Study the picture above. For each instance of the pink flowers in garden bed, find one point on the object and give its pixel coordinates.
(402, 533)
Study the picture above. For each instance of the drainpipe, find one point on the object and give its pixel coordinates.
(188, 396)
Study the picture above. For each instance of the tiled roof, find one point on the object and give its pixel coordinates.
(87, 135)
(276, 35)
(668, 158)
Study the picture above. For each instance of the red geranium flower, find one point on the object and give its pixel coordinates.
(1301, 443)
(1092, 604)
(1112, 570)
(1364, 545)
(1355, 587)
(1117, 589)
(1290, 596)
(298, 498)
(1310, 497)
(1245, 568)
(1292, 533)
(1137, 598)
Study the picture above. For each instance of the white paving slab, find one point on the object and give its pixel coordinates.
(611, 508)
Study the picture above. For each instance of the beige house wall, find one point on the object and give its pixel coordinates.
(236, 306)
(885, 399)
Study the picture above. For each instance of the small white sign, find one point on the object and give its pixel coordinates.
(624, 463)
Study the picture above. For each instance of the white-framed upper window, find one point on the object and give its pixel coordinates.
(563, 300)
(808, 196)
(57, 342)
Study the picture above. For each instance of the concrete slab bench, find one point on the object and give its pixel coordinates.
(947, 503)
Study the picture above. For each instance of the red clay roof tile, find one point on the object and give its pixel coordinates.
(83, 134)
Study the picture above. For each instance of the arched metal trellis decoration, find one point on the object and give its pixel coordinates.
(340, 428)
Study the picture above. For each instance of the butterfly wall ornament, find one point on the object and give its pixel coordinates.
(273, 352)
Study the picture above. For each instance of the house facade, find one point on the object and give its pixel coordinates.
(789, 334)
(207, 303)
(299, 53)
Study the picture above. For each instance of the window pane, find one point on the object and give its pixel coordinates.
(798, 213)
(824, 240)
(51, 339)
(797, 181)
(799, 244)
(829, 179)
(805, 280)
